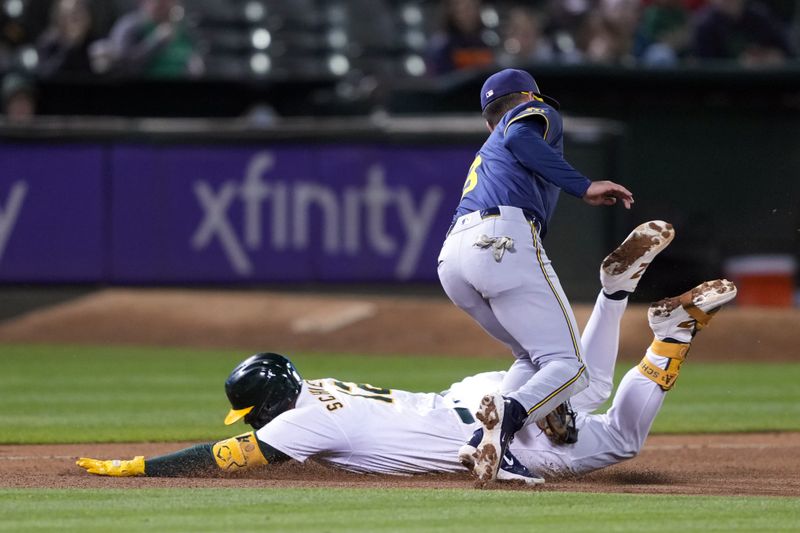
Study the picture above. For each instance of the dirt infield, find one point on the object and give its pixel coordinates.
(764, 464)
(258, 321)
(733, 464)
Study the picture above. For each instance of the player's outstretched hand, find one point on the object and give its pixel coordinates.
(607, 193)
(115, 467)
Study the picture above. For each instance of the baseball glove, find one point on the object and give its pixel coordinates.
(559, 425)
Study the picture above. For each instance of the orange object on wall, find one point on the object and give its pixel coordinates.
(763, 280)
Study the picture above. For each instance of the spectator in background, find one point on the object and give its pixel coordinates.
(461, 43)
(523, 39)
(152, 41)
(740, 30)
(19, 98)
(63, 47)
(690, 5)
(694, 5)
(612, 27)
(34, 17)
(664, 34)
(567, 28)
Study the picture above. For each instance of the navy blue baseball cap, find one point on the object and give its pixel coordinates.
(509, 81)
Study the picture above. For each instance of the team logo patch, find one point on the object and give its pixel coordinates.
(489, 93)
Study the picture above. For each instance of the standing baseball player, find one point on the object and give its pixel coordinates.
(494, 267)
(361, 428)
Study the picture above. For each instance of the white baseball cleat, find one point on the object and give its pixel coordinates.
(680, 317)
(500, 417)
(467, 455)
(512, 470)
(622, 268)
(489, 451)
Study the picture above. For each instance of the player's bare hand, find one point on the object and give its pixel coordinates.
(115, 467)
(607, 193)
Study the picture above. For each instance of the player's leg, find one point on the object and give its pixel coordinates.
(545, 389)
(537, 314)
(600, 341)
(457, 252)
(471, 302)
(620, 434)
(526, 298)
(522, 370)
(464, 295)
(620, 273)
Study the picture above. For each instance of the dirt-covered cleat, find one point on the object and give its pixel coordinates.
(512, 470)
(677, 319)
(674, 322)
(468, 453)
(501, 418)
(622, 269)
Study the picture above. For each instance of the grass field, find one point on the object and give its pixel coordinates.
(321, 510)
(53, 394)
(132, 394)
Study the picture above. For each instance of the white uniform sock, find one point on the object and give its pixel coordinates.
(600, 340)
(658, 360)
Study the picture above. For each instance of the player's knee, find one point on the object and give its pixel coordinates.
(628, 447)
(630, 450)
(602, 389)
(579, 373)
(583, 378)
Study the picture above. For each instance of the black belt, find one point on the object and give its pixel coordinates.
(495, 212)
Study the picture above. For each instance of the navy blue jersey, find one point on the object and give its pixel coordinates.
(521, 164)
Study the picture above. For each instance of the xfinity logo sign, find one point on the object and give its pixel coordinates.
(276, 214)
(9, 212)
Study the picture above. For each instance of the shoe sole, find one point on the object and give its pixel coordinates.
(709, 297)
(488, 453)
(639, 247)
(502, 475)
(467, 455)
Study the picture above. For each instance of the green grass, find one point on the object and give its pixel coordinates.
(730, 398)
(101, 394)
(56, 394)
(86, 394)
(321, 510)
(733, 398)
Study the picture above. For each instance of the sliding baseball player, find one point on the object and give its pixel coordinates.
(362, 428)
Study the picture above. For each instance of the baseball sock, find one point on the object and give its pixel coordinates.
(619, 295)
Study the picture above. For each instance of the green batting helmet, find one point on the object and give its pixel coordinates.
(260, 388)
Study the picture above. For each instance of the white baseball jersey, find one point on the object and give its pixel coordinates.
(363, 428)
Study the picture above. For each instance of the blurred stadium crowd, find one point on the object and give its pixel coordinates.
(382, 39)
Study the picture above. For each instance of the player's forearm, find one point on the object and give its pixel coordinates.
(535, 154)
(231, 455)
(196, 461)
(214, 458)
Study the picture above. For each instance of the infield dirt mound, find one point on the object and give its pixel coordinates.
(258, 320)
(763, 464)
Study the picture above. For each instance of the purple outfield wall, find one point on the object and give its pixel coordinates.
(227, 214)
(53, 213)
